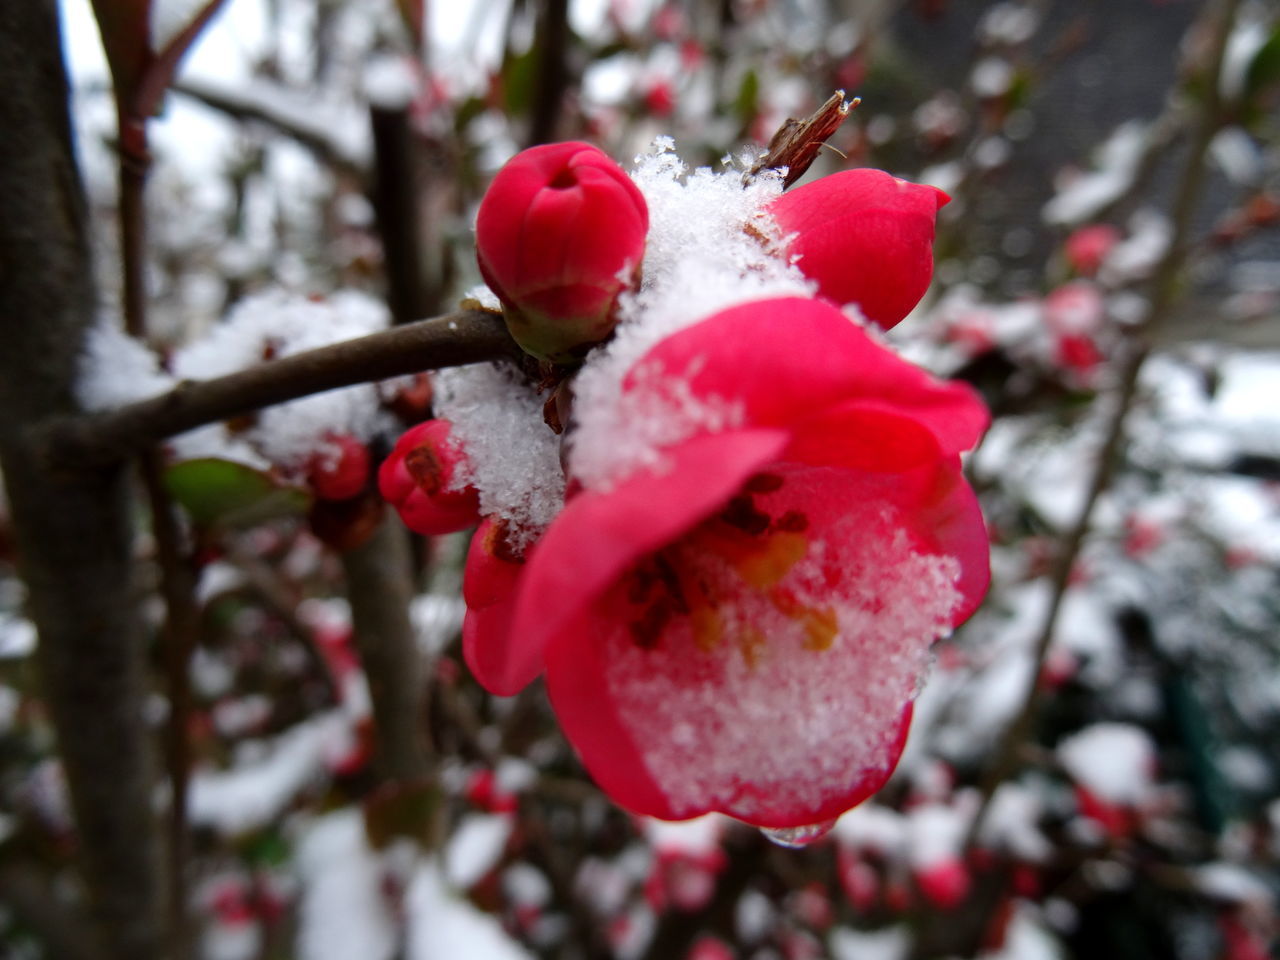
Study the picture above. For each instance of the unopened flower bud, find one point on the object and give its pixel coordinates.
(865, 237)
(559, 235)
(339, 469)
(419, 480)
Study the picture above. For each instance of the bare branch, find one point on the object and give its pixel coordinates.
(468, 336)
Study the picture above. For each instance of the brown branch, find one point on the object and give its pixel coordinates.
(73, 529)
(551, 43)
(1164, 290)
(468, 336)
(796, 144)
(379, 588)
(296, 120)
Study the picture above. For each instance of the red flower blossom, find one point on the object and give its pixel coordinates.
(865, 237)
(560, 233)
(418, 480)
(740, 627)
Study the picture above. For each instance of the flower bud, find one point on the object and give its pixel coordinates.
(559, 235)
(865, 237)
(418, 479)
(339, 469)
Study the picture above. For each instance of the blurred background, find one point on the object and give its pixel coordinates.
(1094, 766)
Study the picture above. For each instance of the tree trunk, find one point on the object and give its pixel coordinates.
(72, 527)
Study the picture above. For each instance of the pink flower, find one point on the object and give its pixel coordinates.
(740, 627)
(418, 479)
(865, 237)
(560, 233)
(1087, 247)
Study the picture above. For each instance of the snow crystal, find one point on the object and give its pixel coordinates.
(1088, 193)
(170, 17)
(116, 369)
(1012, 822)
(278, 324)
(1226, 881)
(708, 248)
(1026, 939)
(890, 943)
(1009, 23)
(391, 82)
(513, 457)
(255, 793)
(441, 925)
(696, 837)
(730, 712)
(343, 912)
(17, 637)
(935, 832)
(1115, 761)
(991, 77)
(1136, 256)
(872, 827)
(475, 847)
(1248, 37)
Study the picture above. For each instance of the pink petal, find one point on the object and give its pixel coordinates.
(787, 359)
(489, 587)
(763, 665)
(600, 533)
(865, 237)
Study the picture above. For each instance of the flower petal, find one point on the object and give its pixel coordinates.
(866, 237)
(600, 533)
(763, 665)
(789, 358)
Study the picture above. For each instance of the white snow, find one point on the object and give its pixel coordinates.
(699, 259)
(513, 457)
(475, 847)
(888, 943)
(1085, 194)
(170, 17)
(255, 792)
(1115, 761)
(17, 637)
(116, 369)
(343, 912)
(443, 926)
(276, 323)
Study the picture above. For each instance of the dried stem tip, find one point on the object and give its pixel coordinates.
(797, 142)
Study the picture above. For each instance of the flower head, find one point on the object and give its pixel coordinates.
(740, 627)
(559, 235)
(420, 477)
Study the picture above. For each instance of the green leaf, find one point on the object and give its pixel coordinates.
(1264, 69)
(223, 493)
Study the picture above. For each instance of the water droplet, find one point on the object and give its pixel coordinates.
(797, 837)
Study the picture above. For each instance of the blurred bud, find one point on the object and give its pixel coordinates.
(559, 235)
(339, 469)
(1087, 247)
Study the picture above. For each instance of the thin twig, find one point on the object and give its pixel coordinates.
(1164, 288)
(467, 336)
(177, 579)
(796, 144)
